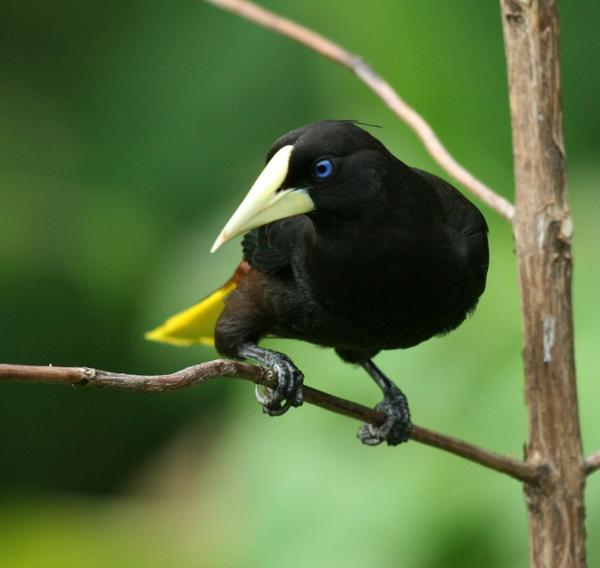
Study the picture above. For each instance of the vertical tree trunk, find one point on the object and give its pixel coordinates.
(542, 230)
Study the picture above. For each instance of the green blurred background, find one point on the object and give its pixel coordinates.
(129, 131)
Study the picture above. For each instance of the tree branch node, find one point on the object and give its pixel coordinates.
(592, 464)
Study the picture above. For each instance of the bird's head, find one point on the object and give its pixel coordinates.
(331, 168)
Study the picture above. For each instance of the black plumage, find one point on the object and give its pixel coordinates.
(389, 257)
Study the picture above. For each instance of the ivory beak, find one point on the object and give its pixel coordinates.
(266, 201)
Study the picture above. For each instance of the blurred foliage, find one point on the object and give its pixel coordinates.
(128, 133)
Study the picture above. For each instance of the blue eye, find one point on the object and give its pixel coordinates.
(323, 169)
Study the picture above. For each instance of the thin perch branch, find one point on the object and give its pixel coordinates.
(379, 86)
(592, 464)
(198, 374)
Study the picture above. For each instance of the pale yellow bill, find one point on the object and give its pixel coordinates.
(264, 203)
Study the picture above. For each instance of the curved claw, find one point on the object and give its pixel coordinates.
(289, 390)
(268, 403)
(260, 398)
(397, 427)
(277, 410)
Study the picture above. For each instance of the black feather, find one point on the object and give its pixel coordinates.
(390, 257)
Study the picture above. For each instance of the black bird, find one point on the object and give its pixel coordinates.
(345, 247)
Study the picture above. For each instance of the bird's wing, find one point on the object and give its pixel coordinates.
(269, 248)
(461, 215)
(196, 325)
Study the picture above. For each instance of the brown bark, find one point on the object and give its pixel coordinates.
(542, 230)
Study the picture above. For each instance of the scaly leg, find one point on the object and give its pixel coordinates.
(397, 427)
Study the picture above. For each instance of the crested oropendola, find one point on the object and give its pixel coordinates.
(345, 247)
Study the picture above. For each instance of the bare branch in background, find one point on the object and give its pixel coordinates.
(380, 87)
(202, 373)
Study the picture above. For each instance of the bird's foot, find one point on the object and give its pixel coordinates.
(397, 426)
(289, 390)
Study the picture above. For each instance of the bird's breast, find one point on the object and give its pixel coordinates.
(369, 293)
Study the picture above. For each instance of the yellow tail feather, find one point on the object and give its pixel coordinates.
(196, 324)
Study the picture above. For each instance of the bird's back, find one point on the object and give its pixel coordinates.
(467, 223)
